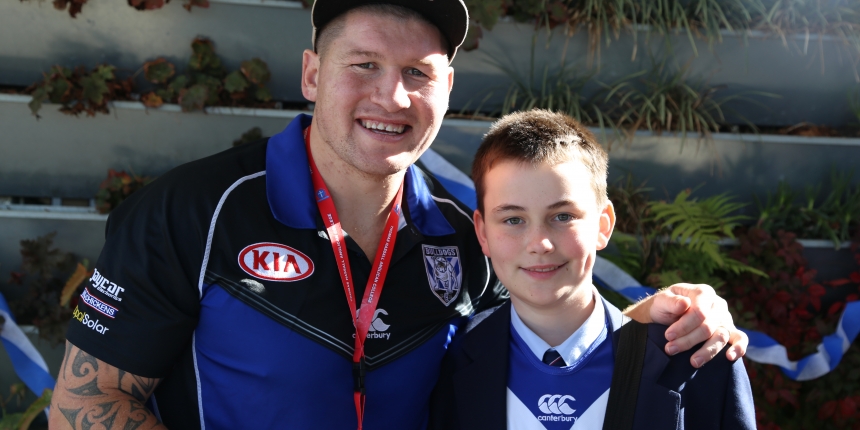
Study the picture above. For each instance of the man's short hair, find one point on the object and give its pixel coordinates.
(334, 28)
(540, 137)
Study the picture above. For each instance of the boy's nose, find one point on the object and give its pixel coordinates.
(539, 243)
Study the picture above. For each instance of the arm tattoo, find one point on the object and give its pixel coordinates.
(96, 395)
(79, 368)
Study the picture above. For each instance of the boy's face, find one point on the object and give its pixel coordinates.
(542, 227)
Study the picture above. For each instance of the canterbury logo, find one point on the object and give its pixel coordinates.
(556, 404)
(377, 324)
(378, 328)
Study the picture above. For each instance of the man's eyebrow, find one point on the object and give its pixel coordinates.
(362, 53)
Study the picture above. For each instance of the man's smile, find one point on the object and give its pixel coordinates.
(382, 127)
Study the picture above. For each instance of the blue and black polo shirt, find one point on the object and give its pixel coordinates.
(219, 277)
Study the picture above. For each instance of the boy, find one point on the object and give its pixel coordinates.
(546, 358)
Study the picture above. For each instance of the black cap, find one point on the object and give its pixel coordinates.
(450, 16)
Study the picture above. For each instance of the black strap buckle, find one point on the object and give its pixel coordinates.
(359, 370)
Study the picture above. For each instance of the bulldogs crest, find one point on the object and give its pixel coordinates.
(444, 271)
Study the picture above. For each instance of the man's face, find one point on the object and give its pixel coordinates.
(381, 90)
(542, 227)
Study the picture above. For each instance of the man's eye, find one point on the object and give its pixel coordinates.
(364, 65)
(415, 72)
(513, 221)
(564, 217)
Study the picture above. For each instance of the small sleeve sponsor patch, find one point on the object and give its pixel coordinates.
(98, 305)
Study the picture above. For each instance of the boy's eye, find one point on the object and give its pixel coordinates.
(564, 217)
(513, 221)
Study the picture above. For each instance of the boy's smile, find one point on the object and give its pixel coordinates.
(542, 227)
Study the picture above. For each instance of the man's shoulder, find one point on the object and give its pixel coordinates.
(456, 212)
(190, 193)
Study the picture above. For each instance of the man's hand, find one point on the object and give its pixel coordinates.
(695, 314)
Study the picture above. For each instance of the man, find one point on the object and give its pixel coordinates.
(220, 295)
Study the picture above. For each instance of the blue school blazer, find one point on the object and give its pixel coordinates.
(471, 392)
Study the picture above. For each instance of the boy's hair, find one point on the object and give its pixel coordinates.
(540, 137)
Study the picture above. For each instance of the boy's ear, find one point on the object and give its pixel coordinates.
(481, 232)
(607, 224)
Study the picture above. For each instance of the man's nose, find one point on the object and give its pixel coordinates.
(390, 93)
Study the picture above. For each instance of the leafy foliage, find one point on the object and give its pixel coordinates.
(662, 100)
(697, 19)
(833, 215)
(22, 420)
(797, 311)
(116, 188)
(766, 281)
(254, 134)
(74, 6)
(662, 243)
(79, 90)
(41, 284)
(206, 82)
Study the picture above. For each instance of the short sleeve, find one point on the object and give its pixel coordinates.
(139, 309)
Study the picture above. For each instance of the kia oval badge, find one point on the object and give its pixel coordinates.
(275, 262)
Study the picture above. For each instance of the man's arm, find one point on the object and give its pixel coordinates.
(90, 391)
(694, 314)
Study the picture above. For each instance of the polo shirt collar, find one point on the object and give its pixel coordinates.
(290, 192)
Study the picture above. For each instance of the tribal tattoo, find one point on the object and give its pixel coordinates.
(93, 394)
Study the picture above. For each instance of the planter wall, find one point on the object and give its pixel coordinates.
(811, 91)
(150, 142)
(64, 156)
(34, 36)
(79, 231)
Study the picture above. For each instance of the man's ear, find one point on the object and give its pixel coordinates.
(310, 74)
(450, 79)
(607, 224)
(481, 232)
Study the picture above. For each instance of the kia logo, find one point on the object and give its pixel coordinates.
(275, 262)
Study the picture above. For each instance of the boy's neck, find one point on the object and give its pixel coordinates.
(555, 323)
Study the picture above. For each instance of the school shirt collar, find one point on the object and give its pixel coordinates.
(574, 346)
(290, 192)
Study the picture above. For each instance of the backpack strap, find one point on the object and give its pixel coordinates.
(624, 391)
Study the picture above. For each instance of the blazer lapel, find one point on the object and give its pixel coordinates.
(658, 406)
(659, 402)
(481, 387)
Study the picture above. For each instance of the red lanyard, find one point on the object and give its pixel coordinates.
(374, 284)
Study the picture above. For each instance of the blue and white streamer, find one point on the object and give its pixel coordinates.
(28, 363)
(762, 348)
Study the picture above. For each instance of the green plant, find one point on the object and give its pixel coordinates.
(839, 18)
(79, 90)
(116, 188)
(661, 100)
(834, 215)
(670, 242)
(47, 275)
(789, 305)
(22, 420)
(206, 82)
(254, 134)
